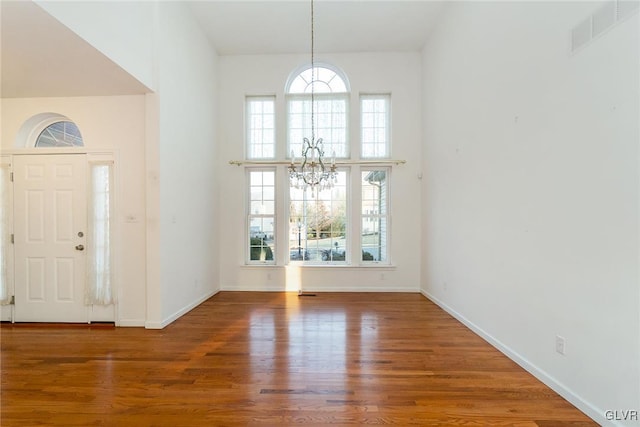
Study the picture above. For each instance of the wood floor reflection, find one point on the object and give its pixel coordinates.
(274, 359)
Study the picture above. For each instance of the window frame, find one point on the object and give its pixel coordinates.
(248, 128)
(388, 146)
(249, 216)
(318, 98)
(386, 216)
(343, 94)
(100, 284)
(318, 66)
(57, 142)
(7, 284)
(352, 162)
(348, 241)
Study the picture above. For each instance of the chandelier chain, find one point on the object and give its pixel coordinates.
(313, 76)
(312, 173)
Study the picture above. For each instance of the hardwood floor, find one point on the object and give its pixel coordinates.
(273, 359)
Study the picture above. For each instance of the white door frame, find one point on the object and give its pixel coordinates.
(95, 313)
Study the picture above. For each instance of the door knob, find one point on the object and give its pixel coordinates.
(80, 248)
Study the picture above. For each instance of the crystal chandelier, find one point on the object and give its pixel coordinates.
(312, 172)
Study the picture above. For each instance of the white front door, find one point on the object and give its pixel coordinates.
(50, 225)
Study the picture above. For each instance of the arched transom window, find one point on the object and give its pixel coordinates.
(46, 130)
(60, 134)
(330, 111)
(321, 79)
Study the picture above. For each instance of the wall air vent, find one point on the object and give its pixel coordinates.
(581, 35)
(603, 19)
(606, 17)
(626, 8)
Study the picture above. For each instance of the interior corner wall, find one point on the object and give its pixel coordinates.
(530, 195)
(186, 103)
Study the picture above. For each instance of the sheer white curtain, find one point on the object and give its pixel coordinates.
(99, 256)
(4, 234)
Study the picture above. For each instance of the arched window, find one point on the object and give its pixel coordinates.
(330, 110)
(60, 134)
(49, 130)
(318, 224)
(321, 78)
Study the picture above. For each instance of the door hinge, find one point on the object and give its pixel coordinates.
(13, 300)
(11, 176)
(13, 238)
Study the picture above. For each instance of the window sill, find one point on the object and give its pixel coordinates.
(379, 266)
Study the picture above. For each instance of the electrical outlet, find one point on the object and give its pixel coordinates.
(560, 344)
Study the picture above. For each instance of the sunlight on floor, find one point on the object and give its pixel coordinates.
(293, 279)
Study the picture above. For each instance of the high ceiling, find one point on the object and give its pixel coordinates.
(268, 27)
(42, 57)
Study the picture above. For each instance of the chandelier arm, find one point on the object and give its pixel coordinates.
(320, 161)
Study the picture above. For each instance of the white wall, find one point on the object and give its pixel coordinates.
(161, 44)
(187, 217)
(115, 124)
(122, 30)
(395, 73)
(530, 213)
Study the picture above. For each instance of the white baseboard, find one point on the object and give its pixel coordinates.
(320, 288)
(590, 410)
(252, 288)
(179, 313)
(333, 288)
(6, 313)
(131, 323)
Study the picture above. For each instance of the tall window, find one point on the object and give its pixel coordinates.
(375, 215)
(318, 220)
(330, 111)
(261, 128)
(374, 114)
(328, 226)
(100, 271)
(318, 223)
(262, 216)
(4, 233)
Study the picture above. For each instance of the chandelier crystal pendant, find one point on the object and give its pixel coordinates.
(312, 172)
